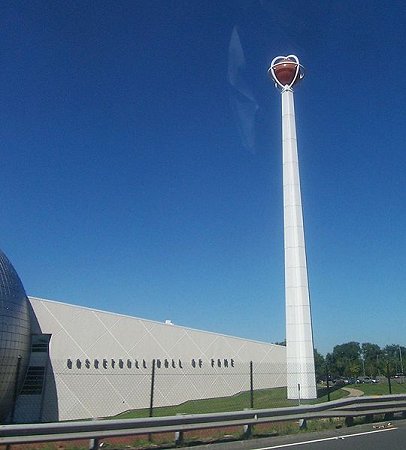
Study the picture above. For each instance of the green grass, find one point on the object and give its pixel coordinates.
(263, 398)
(380, 388)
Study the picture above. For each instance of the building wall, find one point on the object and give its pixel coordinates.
(14, 335)
(101, 363)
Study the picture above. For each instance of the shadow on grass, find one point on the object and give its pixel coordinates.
(322, 393)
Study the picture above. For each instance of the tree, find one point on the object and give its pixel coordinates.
(394, 355)
(319, 364)
(354, 368)
(349, 350)
(373, 358)
(350, 358)
(330, 363)
(370, 351)
(344, 358)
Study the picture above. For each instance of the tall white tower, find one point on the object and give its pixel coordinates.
(301, 381)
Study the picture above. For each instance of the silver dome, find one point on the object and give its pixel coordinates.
(15, 333)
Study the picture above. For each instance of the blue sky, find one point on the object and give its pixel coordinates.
(136, 179)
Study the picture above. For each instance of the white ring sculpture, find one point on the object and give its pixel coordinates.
(286, 71)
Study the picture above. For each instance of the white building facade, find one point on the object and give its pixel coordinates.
(86, 363)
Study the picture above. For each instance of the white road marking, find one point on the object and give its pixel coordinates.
(345, 436)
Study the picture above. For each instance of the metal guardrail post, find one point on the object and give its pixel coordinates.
(349, 421)
(369, 418)
(94, 444)
(302, 424)
(179, 437)
(247, 429)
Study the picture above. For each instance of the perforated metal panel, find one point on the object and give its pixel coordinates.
(14, 333)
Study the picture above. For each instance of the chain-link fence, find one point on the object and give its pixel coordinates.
(130, 388)
(396, 381)
(387, 383)
(70, 389)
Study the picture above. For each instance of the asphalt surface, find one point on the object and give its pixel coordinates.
(376, 436)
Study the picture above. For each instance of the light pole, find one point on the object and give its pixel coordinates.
(301, 380)
(401, 360)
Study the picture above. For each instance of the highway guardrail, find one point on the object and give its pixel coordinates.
(99, 429)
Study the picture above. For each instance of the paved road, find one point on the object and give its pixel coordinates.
(362, 437)
(389, 438)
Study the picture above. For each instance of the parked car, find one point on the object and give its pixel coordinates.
(362, 380)
(367, 380)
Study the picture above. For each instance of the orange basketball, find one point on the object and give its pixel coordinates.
(285, 72)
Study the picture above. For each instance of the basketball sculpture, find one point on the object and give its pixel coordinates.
(286, 71)
(301, 382)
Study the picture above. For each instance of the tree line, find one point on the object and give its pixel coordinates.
(353, 359)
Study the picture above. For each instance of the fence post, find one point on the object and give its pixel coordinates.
(248, 428)
(388, 376)
(151, 399)
(251, 386)
(389, 415)
(328, 383)
(298, 391)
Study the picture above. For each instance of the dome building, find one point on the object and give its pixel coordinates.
(15, 334)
